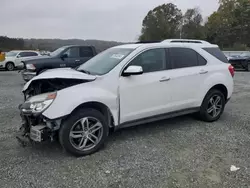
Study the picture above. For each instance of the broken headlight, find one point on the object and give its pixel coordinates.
(39, 103)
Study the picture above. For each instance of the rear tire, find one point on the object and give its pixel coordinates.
(212, 106)
(84, 132)
(9, 66)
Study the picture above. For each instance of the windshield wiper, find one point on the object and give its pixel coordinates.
(84, 71)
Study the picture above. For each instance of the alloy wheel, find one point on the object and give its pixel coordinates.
(214, 106)
(86, 133)
(10, 67)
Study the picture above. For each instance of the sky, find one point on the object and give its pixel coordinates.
(113, 20)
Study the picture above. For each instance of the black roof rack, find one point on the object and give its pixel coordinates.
(144, 42)
(185, 41)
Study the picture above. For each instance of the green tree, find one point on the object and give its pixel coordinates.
(161, 23)
(192, 25)
(230, 24)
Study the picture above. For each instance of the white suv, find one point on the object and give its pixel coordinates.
(14, 59)
(125, 86)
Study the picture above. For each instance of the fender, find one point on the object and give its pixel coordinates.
(216, 79)
(70, 98)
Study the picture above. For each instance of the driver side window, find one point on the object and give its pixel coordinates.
(72, 52)
(151, 60)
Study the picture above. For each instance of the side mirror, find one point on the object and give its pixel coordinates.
(18, 56)
(64, 56)
(132, 70)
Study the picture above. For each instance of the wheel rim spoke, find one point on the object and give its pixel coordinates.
(214, 112)
(76, 134)
(91, 137)
(211, 101)
(210, 109)
(95, 127)
(85, 124)
(218, 107)
(83, 143)
(217, 100)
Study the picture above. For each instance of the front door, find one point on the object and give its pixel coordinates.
(73, 58)
(145, 95)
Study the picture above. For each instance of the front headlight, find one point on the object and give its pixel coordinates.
(30, 67)
(41, 102)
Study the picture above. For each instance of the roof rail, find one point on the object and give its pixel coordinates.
(152, 41)
(185, 41)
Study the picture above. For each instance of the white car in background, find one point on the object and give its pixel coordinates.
(13, 59)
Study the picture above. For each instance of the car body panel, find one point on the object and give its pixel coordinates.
(66, 73)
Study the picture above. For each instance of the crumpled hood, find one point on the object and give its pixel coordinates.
(64, 73)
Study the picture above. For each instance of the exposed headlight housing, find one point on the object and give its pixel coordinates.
(40, 103)
(30, 67)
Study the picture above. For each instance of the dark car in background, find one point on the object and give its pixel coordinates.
(66, 56)
(241, 61)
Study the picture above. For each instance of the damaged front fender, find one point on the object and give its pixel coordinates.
(70, 98)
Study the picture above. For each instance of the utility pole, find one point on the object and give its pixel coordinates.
(182, 23)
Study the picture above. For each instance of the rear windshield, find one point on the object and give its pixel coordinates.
(217, 53)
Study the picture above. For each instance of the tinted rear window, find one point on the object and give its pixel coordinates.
(217, 53)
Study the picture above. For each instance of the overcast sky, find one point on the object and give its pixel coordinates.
(117, 20)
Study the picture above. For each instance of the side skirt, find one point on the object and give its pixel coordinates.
(157, 118)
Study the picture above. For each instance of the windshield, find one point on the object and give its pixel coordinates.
(11, 54)
(57, 52)
(105, 61)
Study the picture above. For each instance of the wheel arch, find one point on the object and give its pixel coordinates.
(104, 109)
(10, 62)
(222, 88)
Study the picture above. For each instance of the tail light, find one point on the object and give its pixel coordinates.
(231, 70)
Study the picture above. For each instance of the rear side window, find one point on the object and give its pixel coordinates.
(201, 60)
(217, 53)
(27, 54)
(86, 52)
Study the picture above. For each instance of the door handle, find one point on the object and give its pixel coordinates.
(164, 79)
(203, 72)
(77, 60)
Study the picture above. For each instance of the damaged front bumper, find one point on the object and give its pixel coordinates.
(36, 127)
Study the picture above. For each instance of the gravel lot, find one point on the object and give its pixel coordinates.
(181, 152)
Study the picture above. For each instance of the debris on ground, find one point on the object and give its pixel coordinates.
(234, 168)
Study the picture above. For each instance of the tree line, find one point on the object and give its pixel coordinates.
(229, 26)
(7, 44)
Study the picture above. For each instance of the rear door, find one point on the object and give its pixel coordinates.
(86, 53)
(73, 57)
(187, 74)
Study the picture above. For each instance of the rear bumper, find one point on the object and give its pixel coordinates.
(28, 75)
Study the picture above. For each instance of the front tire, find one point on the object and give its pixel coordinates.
(10, 66)
(212, 106)
(248, 67)
(84, 132)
